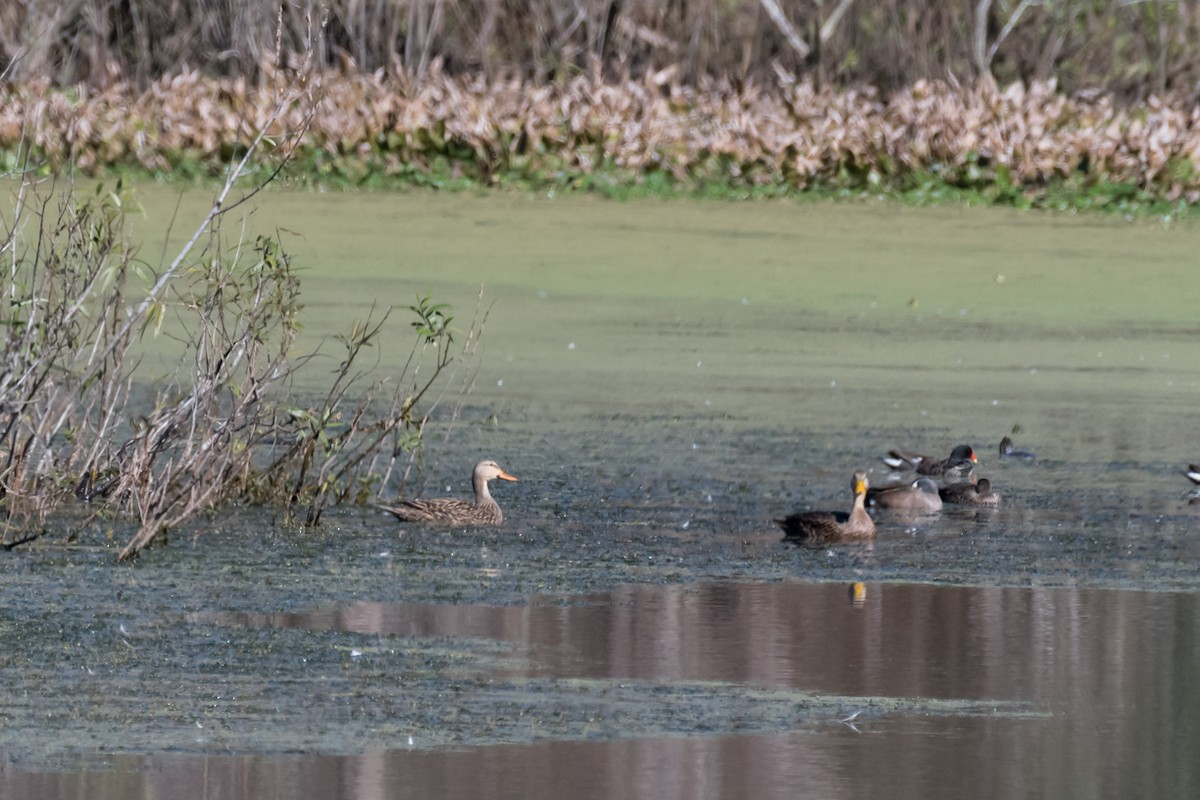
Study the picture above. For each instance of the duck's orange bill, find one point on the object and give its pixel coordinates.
(504, 476)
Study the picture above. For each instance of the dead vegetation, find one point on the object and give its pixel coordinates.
(783, 133)
(1003, 96)
(81, 429)
(86, 434)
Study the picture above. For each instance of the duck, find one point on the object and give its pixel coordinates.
(978, 493)
(452, 511)
(928, 465)
(956, 467)
(1193, 473)
(1008, 450)
(820, 527)
(921, 496)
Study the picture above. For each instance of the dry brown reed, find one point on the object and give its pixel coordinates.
(784, 133)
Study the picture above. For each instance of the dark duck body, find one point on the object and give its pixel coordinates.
(974, 494)
(822, 527)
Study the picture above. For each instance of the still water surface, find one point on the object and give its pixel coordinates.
(666, 378)
(984, 692)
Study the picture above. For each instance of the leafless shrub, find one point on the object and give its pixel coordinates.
(224, 427)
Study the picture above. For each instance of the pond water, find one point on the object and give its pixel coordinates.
(666, 378)
(740, 690)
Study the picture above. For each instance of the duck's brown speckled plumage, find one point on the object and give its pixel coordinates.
(452, 511)
(978, 494)
(820, 527)
(919, 496)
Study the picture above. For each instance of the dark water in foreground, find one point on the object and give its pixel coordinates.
(957, 691)
(666, 378)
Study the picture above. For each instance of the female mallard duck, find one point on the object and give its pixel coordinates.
(920, 496)
(957, 467)
(1193, 473)
(451, 511)
(820, 527)
(978, 493)
(1008, 450)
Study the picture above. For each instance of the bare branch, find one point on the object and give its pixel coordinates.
(1008, 28)
(789, 33)
(218, 209)
(979, 42)
(831, 22)
(984, 54)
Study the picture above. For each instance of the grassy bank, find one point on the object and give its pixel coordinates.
(1016, 146)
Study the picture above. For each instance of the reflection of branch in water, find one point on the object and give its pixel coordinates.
(849, 721)
(9, 546)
